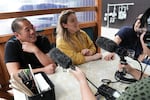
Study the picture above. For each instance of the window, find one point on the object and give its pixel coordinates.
(42, 21)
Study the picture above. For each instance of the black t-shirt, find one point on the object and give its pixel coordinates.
(130, 40)
(14, 52)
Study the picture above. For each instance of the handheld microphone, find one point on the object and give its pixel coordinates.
(106, 44)
(62, 59)
(111, 46)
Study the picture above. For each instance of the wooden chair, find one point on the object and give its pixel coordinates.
(4, 77)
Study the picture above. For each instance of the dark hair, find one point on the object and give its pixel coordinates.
(144, 18)
(15, 24)
(137, 18)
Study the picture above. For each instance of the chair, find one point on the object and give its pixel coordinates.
(4, 77)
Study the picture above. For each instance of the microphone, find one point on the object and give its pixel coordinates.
(106, 44)
(62, 59)
(111, 46)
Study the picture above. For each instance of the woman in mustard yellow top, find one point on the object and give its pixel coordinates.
(73, 41)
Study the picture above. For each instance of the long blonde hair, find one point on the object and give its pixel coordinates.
(63, 32)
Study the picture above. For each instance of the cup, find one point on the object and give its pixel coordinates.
(131, 53)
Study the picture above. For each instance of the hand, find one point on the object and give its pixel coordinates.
(49, 69)
(146, 50)
(97, 56)
(109, 56)
(86, 52)
(142, 35)
(142, 57)
(29, 47)
(79, 75)
(127, 68)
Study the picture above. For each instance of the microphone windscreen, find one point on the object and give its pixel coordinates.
(60, 58)
(106, 44)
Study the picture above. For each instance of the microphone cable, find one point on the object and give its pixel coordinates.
(119, 76)
(104, 89)
(91, 83)
(108, 81)
(73, 68)
(143, 70)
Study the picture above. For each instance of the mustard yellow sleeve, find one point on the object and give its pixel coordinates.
(89, 44)
(77, 57)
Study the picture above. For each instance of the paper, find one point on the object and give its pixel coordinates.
(18, 85)
(44, 86)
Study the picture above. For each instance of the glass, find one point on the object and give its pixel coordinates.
(131, 53)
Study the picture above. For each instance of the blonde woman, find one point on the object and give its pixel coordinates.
(73, 41)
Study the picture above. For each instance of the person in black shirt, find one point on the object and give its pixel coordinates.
(128, 38)
(27, 47)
